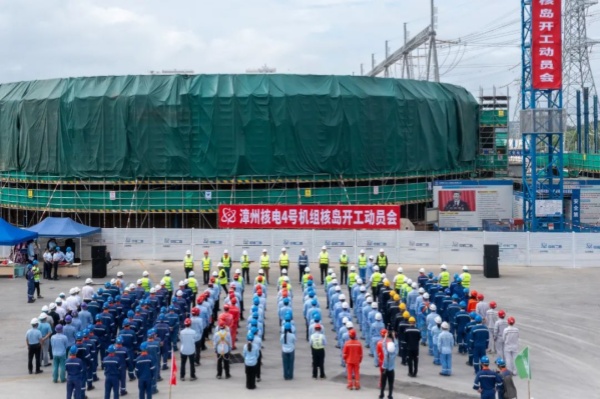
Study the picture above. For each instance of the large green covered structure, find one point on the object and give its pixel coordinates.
(202, 129)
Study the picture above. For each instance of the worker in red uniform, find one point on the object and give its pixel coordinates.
(227, 318)
(353, 354)
(234, 311)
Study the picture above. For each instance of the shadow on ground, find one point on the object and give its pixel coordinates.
(407, 388)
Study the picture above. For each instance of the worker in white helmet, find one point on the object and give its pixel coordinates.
(344, 260)
(302, 264)
(245, 262)
(227, 263)
(265, 264)
(284, 261)
(362, 265)
(188, 263)
(323, 263)
(382, 261)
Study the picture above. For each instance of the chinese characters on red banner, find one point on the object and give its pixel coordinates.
(382, 217)
(546, 44)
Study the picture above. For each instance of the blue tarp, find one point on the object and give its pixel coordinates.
(11, 235)
(62, 227)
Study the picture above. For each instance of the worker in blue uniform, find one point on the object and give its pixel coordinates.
(487, 381)
(144, 371)
(83, 354)
(112, 373)
(154, 351)
(75, 372)
(461, 319)
(480, 337)
(125, 361)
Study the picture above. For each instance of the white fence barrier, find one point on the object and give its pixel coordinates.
(402, 247)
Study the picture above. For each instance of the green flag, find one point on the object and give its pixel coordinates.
(522, 364)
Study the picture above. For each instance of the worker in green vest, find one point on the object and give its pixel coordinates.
(265, 264)
(466, 277)
(206, 266)
(36, 277)
(245, 261)
(193, 285)
(227, 262)
(352, 277)
(168, 286)
(146, 283)
(222, 277)
(399, 279)
(362, 265)
(323, 263)
(284, 261)
(188, 263)
(382, 261)
(444, 277)
(343, 268)
(306, 276)
(375, 280)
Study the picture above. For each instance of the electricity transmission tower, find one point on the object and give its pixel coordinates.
(577, 72)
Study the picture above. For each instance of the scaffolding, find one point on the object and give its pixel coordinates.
(180, 203)
(492, 160)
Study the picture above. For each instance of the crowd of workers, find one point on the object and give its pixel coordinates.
(132, 330)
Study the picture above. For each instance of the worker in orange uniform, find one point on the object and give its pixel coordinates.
(353, 354)
(472, 304)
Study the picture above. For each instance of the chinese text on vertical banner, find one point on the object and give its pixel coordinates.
(376, 217)
(546, 44)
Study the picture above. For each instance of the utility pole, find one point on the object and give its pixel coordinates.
(432, 58)
(576, 49)
(362, 70)
(372, 60)
(387, 51)
(406, 57)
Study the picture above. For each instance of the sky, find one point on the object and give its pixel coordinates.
(44, 39)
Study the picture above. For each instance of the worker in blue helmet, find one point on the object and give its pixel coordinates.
(468, 328)
(480, 337)
(122, 354)
(75, 374)
(30, 276)
(508, 389)
(487, 381)
(144, 371)
(83, 354)
(112, 373)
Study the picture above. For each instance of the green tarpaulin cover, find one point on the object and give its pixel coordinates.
(205, 126)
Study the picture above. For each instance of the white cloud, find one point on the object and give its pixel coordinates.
(60, 38)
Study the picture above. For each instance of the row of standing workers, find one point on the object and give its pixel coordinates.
(398, 314)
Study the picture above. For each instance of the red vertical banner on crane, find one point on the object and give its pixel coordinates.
(546, 44)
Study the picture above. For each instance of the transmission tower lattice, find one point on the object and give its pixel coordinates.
(577, 72)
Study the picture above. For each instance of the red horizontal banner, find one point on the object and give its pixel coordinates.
(546, 44)
(372, 217)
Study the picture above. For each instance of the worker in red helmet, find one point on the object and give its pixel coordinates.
(511, 344)
(499, 328)
(353, 355)
(385, 338)
(491, 317)
(188, 349)
(222, 343)
(482, 307)
(472, 304)
(317, 347)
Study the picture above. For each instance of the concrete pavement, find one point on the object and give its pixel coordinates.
(556, 312)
